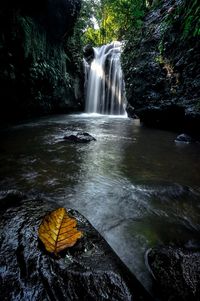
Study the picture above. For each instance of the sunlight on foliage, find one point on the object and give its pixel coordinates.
(106, 21)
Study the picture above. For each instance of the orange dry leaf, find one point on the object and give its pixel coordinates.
(58, 231)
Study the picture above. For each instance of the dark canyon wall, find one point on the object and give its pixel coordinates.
(38, 74)
(161, 66)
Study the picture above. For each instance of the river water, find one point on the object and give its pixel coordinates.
(135, 185)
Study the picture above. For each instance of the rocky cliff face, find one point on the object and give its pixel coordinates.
(161, 66)
(37, 72)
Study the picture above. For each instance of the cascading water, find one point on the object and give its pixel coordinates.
(105, 90)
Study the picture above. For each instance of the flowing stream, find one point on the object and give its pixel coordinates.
(135, 185)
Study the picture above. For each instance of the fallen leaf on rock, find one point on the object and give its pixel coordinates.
(58, 231)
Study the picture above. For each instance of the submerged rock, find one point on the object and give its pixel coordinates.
(184, 138)
(80, 137)
(88, 271)
(176, 271)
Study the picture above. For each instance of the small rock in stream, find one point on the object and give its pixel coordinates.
(90, 270)
(80, 137)
(184, 138)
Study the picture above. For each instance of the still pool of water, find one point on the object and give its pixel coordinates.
(135, 185)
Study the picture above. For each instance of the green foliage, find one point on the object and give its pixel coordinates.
(36, 45)
(187, 16)
(169, 39)
(32, 38)
(182, 18)
(159, 59)
(45, 65)
(191, 23)
(103, 21)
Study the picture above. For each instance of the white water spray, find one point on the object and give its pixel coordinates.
(105, 91)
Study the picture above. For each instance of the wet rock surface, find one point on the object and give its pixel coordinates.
(161, 70)
(176, 271)
(88, 53)
(88, 271)
(79, 137)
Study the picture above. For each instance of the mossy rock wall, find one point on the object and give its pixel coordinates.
(37, 73)
(161, 66)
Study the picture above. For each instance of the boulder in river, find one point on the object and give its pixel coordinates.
(176, 271)
(90, 270)
(80, 137)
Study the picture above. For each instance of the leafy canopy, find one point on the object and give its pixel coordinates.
(103, 21)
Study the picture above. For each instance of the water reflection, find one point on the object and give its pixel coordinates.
(135, 185)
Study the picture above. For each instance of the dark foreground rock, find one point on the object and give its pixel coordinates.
(176, 271)
(88, 271)
(80, 137)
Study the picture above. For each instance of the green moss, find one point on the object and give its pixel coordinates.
(159, 59)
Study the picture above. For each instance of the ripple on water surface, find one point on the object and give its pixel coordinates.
(135, 185)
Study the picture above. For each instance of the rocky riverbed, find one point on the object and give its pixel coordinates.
(88, 271)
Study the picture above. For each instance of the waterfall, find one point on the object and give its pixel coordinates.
(105, 90)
